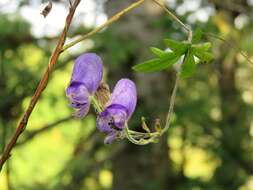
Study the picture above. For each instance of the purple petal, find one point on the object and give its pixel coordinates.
(124, 93)
(113, 118)
(82, 111)
(79, 98)
(118, 110)
(104, 121)
(77, 94)
(110, 137)
(88, 70)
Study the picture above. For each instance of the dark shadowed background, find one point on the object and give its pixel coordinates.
(210, 142)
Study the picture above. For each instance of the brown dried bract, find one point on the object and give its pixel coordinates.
(47, 9)
(103, 94)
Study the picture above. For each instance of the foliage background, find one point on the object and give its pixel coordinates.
(210, 142)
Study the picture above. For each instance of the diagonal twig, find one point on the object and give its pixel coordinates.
(114, 18)
(41, 86)
(172, 15)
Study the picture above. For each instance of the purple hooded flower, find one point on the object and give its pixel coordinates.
(86, 77)
(118, 110)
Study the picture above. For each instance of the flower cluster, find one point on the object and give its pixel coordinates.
(113, 116)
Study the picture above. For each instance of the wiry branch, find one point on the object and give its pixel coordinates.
(43, 83)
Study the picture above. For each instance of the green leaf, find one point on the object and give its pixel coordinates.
(157, 64)
(201, 47)
(158, 52)
(197, 35)
(176, 46)
(189, 65)
(204, 56)
(201, 51)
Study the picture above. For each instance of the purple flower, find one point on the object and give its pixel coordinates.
(118, 110)
(86, 77)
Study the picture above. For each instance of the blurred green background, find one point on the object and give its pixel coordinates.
(210, 143)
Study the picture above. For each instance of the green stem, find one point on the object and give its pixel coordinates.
(95, 104)
(172, 103)
(132, 140)
(140, 136)
(174, 93)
